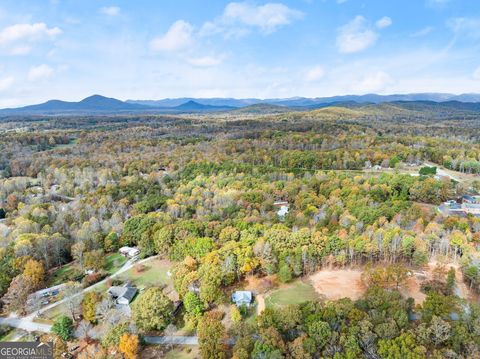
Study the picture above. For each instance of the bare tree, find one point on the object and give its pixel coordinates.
(73, 296)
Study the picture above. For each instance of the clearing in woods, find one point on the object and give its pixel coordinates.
(338, 283)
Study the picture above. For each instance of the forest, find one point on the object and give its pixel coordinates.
(201, 193)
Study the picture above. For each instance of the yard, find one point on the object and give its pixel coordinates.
(179, 352)
(151, 274)
(63, 274)
(114, 262)
(72, 271)
(294, 293)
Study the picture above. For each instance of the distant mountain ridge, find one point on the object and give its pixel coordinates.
(306, 102)
(98, 104)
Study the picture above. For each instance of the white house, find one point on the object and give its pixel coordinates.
(242, 297)
(129, 251)
(283, 208)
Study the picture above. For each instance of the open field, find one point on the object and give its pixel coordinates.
(338, 283)
(179, 352)
(294, 293)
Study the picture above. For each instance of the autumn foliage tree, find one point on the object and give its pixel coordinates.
(211, 336)
(89, 305)
(129, 345)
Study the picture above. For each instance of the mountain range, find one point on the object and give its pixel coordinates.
(98, 104)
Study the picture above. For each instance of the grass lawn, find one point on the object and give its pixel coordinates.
(183, 353)
(153, 275)
(50, 315)
(113, 262)
(62, 275)
(295, 293)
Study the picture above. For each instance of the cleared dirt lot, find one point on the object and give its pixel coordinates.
(334, 284)
(338, 283)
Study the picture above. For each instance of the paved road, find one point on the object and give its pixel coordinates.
(128, 265)
(27, 322)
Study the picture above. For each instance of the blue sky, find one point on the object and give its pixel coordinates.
(70, 49)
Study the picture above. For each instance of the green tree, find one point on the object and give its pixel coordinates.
(285, 273)
(111, 242)
(320, 332)
(192, 303)
(113, 335)
(153, 310)
(63, 327)
(94, 259)
(402, 347)
(451, 279)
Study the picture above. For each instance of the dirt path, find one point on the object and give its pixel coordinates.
(260, 303)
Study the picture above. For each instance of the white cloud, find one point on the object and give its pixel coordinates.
(206, 61)
(239, 17)
(178, 37)
(476, 73)
(465, 26)
(110, 10)
(20, 50)
(27, 32)
(355, 36)
(40, 72)
(384, 22)
(315, 73)
(341, 1)
(6, 83)
(376, 81)
(422, 32)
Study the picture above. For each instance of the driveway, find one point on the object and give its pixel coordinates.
(27, 323)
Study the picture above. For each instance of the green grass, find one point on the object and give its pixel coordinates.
(62, 275)
(294, 293)
(154, 274)
(113, 262)
(183, 353)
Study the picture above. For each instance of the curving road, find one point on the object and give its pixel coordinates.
(27, 323)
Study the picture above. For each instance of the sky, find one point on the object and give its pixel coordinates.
(148, 49)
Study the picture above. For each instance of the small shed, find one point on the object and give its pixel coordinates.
(242, 297)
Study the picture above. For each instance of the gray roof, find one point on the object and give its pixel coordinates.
(123, 292)
(242, 297)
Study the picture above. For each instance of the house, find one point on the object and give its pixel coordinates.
(242, 297)
(468, 207)
(130, 252)
(471, 199)
(122, 295)
(283, 208)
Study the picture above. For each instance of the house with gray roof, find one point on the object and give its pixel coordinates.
(122, 295)
(242, 297)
